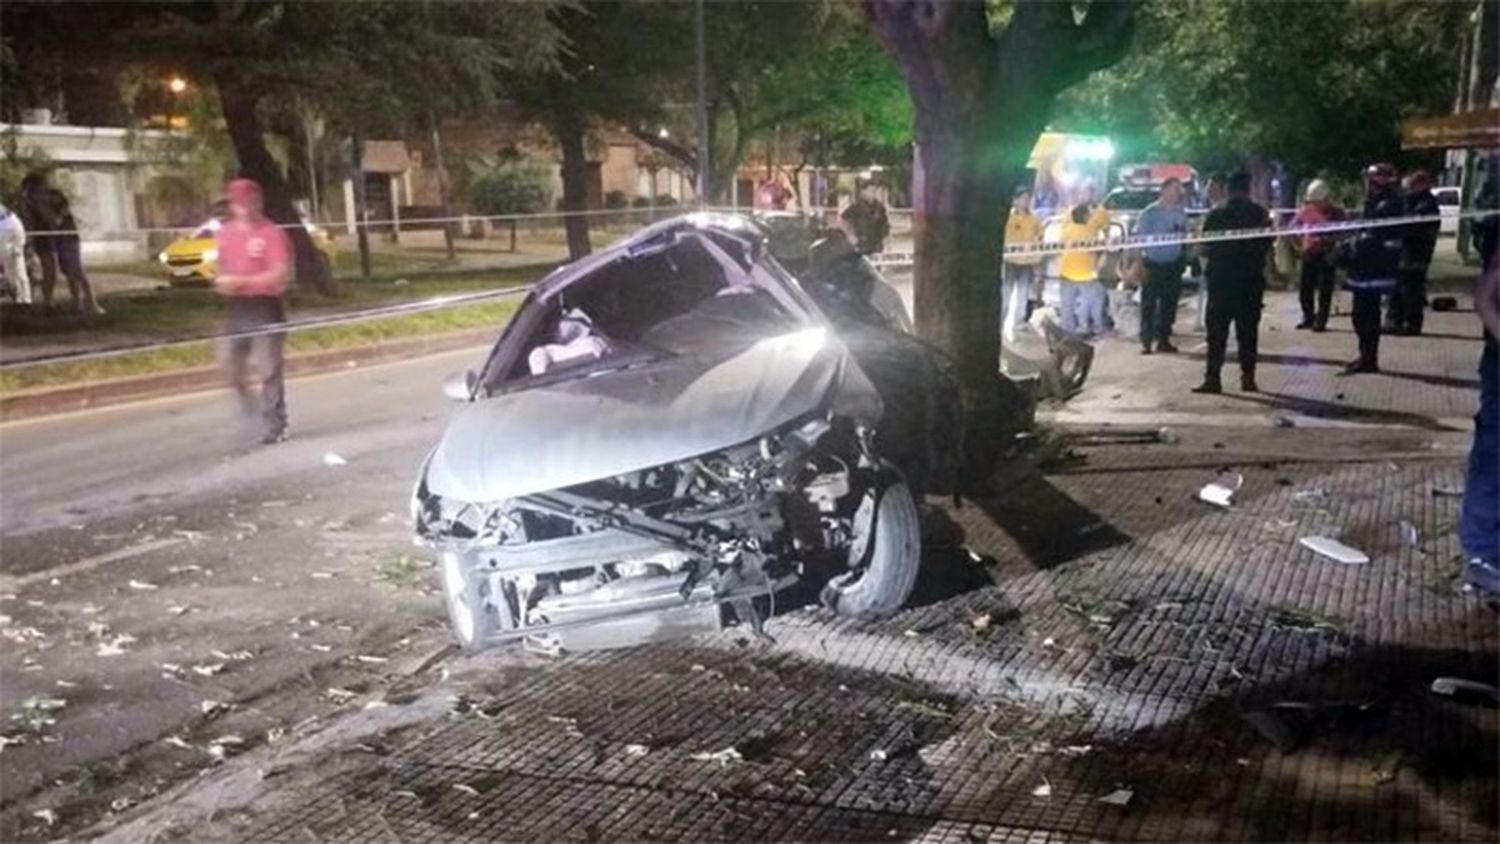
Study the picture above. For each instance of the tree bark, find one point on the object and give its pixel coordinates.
(567, 125)
(238, 103)
(980, 101)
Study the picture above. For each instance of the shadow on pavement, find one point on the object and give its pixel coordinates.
(1333, 410)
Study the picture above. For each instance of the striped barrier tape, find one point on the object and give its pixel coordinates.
(888, 259)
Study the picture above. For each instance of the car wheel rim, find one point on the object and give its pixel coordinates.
(457, 587)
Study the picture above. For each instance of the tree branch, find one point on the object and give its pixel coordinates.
(654, 140)
(1101, 39)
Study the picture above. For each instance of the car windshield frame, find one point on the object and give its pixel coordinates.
(754, 264)
(1111, 201)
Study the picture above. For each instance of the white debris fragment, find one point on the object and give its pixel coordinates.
(1076, 750)
(1043, 790)
(321, 648)
(190, 567)
(636, 750)
(322, 575)
(723, 757)
(208, 669)
(120, 804)
(178, 742)
(372, 659)
(170, 667)
(1221, 492)
(1118, 797)
(1310, 495)
(142, 586)
(232, 656)
(178, 609)
(116, 645)
(879, 755)
(466, 789)
(339, 695)
(7, 741)
(211, 707)
(332, 459)
(46, 816)
(192, 536)
(379, 703)
(66, 684)
(1334, 550)
(1410, 535)
(275, 734)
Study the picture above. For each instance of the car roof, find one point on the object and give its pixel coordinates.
(732, 228)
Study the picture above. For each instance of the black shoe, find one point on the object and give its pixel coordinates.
(273, 437)
(1209, 388)
(1146, 350)
(1362, 366)
(1304, 325)
(1319, 327)
(1166, 347)
(1247, 384)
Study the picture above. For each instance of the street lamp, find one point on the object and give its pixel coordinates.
(177, 85)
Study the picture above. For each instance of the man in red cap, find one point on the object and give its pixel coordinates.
(1417, 244)
(255, 259)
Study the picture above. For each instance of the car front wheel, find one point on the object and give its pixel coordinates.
(468, 602)
(884, 555)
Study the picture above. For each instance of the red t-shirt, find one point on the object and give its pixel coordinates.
(253, 249)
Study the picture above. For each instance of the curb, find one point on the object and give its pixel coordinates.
(115, 391)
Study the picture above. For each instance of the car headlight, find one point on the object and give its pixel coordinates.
(210, 254)
(162, 256)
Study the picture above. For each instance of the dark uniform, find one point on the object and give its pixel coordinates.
(1373, 258)
(1236, 282)
(1417, 245)
(871, 226)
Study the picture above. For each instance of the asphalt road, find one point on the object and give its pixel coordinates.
(163, 585)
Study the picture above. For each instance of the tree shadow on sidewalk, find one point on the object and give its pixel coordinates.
(1319, 409)
(1049, 526)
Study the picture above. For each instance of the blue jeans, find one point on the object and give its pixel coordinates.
(1015, 293)
(1083, 305)
(1479, 521)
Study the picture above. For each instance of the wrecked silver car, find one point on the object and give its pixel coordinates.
(674, 430)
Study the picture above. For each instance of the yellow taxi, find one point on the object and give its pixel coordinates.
(192, 259)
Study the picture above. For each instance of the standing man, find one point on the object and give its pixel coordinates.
(1374, 258)
(55, 241)
(1417, 244)
(1479, 520)
(1316, 288)
(1022, 228)
(867, 218)
(1165, 218)
(13, 256)
(255, 259)
(1084, 300)
(1236, 282)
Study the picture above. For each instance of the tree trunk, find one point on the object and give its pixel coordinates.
(568, 127)
(312, 270)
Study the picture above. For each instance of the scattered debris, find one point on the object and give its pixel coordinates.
(1447, 492)
(877, 755)
(339, 695)
(8, 740)
(178, 742)
(636, 750)
(208, 669)
(1118, 797)
(1285, 422)
(372, 659)
(190, 567)
(1334, 550)
(728, 755)
(1043, 790)
(142, 586)
(466, 789)
(233, 656)
(1464, 690)
(120, 804)
(981, 623)
(1287, 724)
(332, 459)
(212, 707)
(116, 645)
(178, 609)
(1410, 535)
(1221, 492)
(1307, 496)
(220, 747)
(46, 816)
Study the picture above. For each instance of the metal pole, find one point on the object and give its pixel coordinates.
(704, 161)
(362, 232)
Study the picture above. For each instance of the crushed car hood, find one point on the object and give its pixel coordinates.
(602, 425)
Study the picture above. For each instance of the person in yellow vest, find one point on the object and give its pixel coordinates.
(1083, 296)
(1019, 272)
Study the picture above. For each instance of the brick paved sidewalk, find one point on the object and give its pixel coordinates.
(1087, 657)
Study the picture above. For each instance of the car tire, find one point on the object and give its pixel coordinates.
(884, 556)
(467, 599)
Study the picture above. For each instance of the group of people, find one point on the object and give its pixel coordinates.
(45, 227)
(1381, 262)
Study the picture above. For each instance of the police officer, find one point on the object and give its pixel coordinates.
(1373, 258)
(1417, 245)
(1236, 276)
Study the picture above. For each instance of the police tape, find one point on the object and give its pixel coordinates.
(888, 259)
(371, 222)
(1134, 242)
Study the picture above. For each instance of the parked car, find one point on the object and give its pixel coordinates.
(193, 259)
(672, 431)
(1448, 198)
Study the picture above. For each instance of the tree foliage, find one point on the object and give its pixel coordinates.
(1316, 86)
(514, 186)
